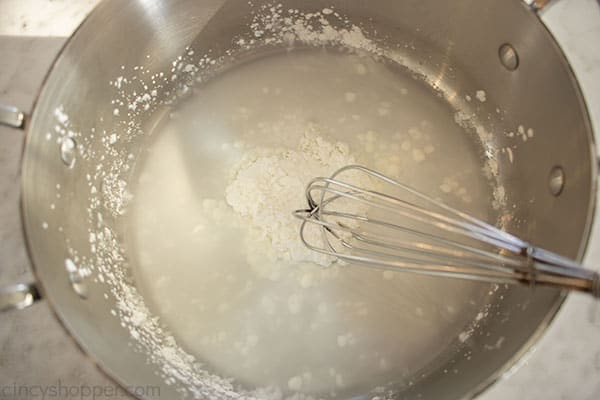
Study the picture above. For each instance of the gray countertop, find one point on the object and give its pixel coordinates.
(35, 350)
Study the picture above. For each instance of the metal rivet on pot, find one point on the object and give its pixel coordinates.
(508, 57)
(556, 181)
(68, 148)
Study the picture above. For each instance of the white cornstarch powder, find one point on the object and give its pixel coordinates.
(269, 183)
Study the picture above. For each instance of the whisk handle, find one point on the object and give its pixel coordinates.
(555, 270)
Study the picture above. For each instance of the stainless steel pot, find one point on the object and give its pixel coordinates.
(468, 45)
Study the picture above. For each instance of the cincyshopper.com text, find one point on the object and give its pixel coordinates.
(60, 390)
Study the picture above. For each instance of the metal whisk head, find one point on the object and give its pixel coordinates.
(362, 217)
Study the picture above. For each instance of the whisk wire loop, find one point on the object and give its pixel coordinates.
(393, 226)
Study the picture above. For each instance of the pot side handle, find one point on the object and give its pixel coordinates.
(12, 116)
(538, 5)
(21, 295)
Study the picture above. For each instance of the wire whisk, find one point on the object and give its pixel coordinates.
(362, 217)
